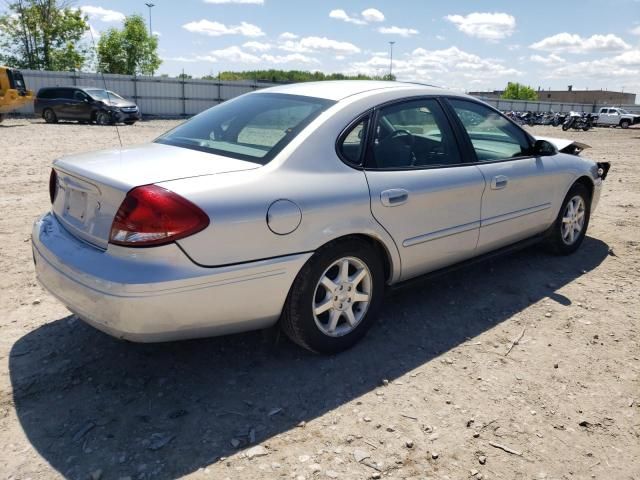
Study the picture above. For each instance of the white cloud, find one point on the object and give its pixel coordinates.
(239, 2)
(216, 29)
(372, 15)
(440, 37)
(157, 33)
(311, 44)
(369, 15)
(257, 46)
(623, 69)
(291, 58)
(102, 14)
(489, 26)
(552, 59)
(340, 14)
(288, 36)
(636, 30)
(236, 54)
(451, 66)
(573, 43)
(401, 31)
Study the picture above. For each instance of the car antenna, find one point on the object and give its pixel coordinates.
(104, 82)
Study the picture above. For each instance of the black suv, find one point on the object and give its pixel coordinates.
(88, 104)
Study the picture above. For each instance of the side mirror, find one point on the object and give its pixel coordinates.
(543, 148)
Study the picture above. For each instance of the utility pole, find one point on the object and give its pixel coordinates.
(391, 60)
(150, 5)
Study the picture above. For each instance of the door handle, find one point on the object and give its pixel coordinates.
(394, 197)
(499, 182)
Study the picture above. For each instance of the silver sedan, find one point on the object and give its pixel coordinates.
(299, 204)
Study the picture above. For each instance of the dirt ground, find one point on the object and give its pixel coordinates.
(429, 393)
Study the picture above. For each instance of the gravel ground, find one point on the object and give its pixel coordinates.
(429, 393)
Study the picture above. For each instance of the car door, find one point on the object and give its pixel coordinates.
(64, 104)
(80, 108)
(517, 202)
(421, 191)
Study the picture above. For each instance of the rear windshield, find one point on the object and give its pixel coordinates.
(252, 127)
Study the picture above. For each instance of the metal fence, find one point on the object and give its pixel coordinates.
(161, 96)
(175, 97)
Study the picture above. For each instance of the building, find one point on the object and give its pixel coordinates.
(590, 97)
(599, 97)
(494, 94)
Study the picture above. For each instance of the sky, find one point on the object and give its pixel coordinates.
(464, 45)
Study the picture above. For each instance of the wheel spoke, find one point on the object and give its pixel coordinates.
(571, 235)
(333, 320)
(358, 277)
(343, 276)
(328, 284)
(566, 219)
(351, 318)
(361, 297)
(323, 307)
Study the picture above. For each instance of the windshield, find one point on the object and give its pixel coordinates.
(99, 94)
(623, 111)
(252, 127)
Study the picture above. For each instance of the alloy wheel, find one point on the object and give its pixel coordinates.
(573, 220)
(342, 296)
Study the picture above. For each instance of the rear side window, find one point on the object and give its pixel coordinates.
(493, 136)
(252, 127)
(352, 143)
(414, 134)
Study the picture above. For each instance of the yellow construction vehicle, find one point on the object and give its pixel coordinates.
(13, 91)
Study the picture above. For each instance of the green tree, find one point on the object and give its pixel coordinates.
(517, 91)
(294, 76)
(43, 35)
(130, 50)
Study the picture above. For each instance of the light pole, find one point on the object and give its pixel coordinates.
(150, 5)
(391, 60)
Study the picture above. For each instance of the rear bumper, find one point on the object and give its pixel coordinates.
(158, 294)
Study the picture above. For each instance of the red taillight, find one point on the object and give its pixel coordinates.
(53, 185)
(153, 215)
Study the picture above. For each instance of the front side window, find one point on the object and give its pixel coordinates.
(80, 96)
(414, 134)
(252, 127)
(492, 135)
(352, 145)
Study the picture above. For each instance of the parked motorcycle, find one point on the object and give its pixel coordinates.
(578, 121)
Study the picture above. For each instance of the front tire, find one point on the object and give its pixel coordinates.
(335, 297)
(625, 124)
(103, 118)
(568, 231)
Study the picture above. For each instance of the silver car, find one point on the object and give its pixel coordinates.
(299, 204)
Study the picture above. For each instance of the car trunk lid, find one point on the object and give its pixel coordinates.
(91, 187)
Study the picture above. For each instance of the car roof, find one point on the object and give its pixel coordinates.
(339, 89)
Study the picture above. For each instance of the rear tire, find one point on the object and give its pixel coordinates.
(568, 231)
(625, 124)
(335, 297)
(49, 116)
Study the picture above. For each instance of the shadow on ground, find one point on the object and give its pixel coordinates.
(87, 401)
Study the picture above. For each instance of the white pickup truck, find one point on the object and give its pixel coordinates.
(616, 117)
